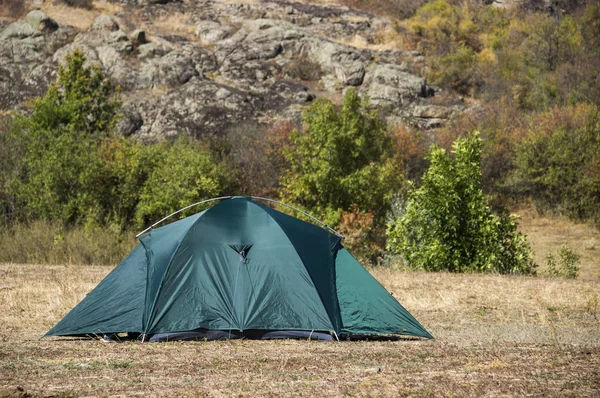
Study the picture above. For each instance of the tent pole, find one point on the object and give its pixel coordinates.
(252, 197)
(303, 212)
(179, 211)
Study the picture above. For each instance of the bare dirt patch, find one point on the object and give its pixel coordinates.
(495, 336)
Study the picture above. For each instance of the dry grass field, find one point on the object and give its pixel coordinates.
(495, 336)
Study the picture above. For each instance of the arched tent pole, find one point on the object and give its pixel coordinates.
(179, 211)
(252, 197)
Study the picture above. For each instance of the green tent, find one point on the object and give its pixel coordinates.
(239, 269)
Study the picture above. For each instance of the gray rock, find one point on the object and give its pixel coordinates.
(40, 21)
(151, 50)
(390, 85)
(19, 30)
(194, 109)
(120, 41)
(116, 67)
(97, 38)
(346, 63)
(29, 50)
(433, 124)
(105, 22)
(212, 32)
(431, 112)
(130, 122)
(175, 69)
(253, 69)
(138, 37)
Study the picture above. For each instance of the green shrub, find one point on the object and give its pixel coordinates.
(184, 172)
(566, 264)
(558, 163)
(528, 57)
(446, 223)
(11, 151)
(62, 175)
(341, 158)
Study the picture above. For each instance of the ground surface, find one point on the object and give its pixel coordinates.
(495, 336)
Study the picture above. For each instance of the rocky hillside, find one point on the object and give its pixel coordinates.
(199, 67)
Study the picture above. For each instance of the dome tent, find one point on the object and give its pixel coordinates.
(239, 269)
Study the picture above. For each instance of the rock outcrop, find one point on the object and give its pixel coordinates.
(243, 62)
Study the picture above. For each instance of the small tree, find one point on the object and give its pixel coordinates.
(566, 265)
(342, 158)
(447, 223)
(62, 175)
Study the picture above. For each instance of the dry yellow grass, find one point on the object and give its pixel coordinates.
(80, 18)
(495, 335)
(547, 235)
(172, 24)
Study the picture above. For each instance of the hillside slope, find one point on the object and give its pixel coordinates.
(199, 67)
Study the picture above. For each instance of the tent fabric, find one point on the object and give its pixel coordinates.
(243, 268)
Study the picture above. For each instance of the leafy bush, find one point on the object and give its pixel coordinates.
(531, 58)
(128, 166)
(11, 151)
(256, 154)
(62, 175)
(362, 234)
(447, 223)
(184, 172)
(342, 158)
(566, 264)
(558, 163)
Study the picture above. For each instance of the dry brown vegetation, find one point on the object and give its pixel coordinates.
(548, 234)
(495, 335)
(80, 14)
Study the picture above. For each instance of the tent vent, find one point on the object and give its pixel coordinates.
(242, 250)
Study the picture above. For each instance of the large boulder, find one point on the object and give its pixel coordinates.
(105, 22)
(212, 32)
(40, 21)
(391, 86)
(19, 30)
(196, 108)
(138, 37)
(345, 63)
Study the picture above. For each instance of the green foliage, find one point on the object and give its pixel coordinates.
(341, 158)
(532, 58)
(63, 163)
(128, 166)
(62, 175)
(447, 223)
(566, 264)
(558, 165)
(11, 151)
(184, 173)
